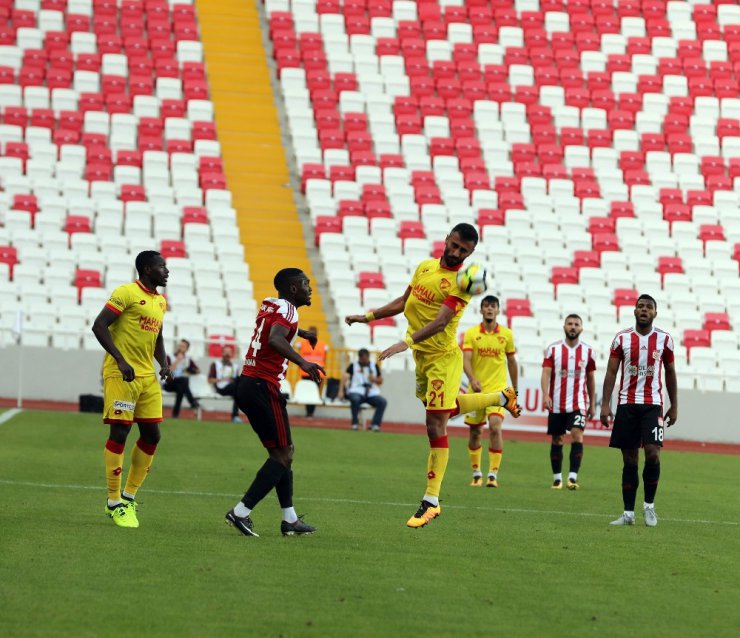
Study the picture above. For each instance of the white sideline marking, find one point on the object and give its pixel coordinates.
(6, 416)
(352, 501)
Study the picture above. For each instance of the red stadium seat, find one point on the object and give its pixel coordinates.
(518, 308)
(711, 232)
(133, 193)
(586, 259)
(563, 275)
(172, 248)
(326, 224)
(217, 343)
(9, 255)
(411, 229)
(77, 224)
(194, 215)
(716, 321)
(350, 208)
(370, 280)
(87, 279)
(696, 339)
(603, 242)
(669, 265)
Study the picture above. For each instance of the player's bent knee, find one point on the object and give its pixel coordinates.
(119, 432)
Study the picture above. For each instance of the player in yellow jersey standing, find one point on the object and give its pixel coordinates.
(432, 305)
(488, 352)
(130, 330)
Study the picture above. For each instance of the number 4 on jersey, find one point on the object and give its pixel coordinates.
(256, 340)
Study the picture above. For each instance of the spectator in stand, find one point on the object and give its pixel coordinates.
(361, 384)
(181, 366)
(223, 377)
(313, 354)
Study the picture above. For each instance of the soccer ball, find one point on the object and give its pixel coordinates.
(473, 279)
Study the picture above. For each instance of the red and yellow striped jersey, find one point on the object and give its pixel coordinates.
(489, 355)
(431, 287)
(140, 315)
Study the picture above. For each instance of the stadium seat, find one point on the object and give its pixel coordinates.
(696, 339)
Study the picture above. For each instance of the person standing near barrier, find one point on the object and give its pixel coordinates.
(641, 352)
(569, 388)
(129, 328)
(488, 355)
(314, 351)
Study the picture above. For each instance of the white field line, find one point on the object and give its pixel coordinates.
(350, 501)
(6, 416)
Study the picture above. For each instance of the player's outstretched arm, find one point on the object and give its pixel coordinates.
(391, 309)
(435, 326)
(671, 386)
(309, 336)
(606, 396)
(102, 334)
(278, 341)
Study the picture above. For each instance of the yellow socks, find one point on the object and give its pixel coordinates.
(113, 456)
(438, 456)
(141, 460)
(494, 460)
(475, 457)
(467, 403)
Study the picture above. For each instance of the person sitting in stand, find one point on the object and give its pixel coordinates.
(181, 366)
(361, 384)
(223, 377)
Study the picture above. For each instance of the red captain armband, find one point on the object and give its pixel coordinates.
(113, 308)
(454, 303)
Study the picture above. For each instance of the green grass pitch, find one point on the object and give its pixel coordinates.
(522, 560)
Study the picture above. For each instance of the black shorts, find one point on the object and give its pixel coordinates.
(560, 422)
(265, 408)
(636, 425)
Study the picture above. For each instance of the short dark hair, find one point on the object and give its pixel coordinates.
(467, 232)
(492, 299)
(647, 298)
(573, 315)
(144, 259)
(186, 342)
(363, 351)
(285, 277)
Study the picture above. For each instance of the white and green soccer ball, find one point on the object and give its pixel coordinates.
(474, 279)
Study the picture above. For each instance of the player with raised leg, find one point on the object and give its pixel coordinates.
(641, 352)
(432, 305)
(258, 396)
(130, 330)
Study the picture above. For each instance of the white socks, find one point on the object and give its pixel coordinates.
(434, 500)
(557, 477)
(289, 515)
(648, 506)
(112, 504)
(241, 510)
(127, 496)
(573, 476)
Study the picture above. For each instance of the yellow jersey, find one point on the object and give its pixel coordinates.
(140, 315)
(433, 286)
(490, 350)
